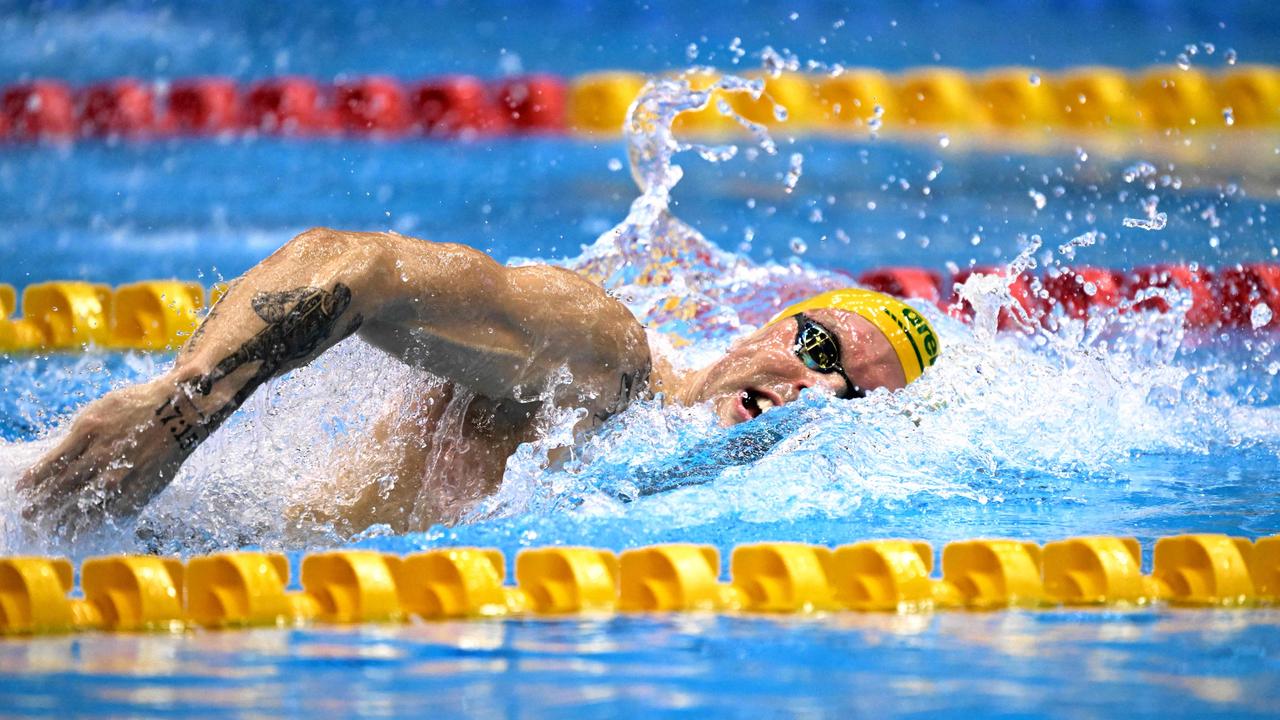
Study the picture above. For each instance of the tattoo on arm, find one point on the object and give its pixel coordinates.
(298, 321)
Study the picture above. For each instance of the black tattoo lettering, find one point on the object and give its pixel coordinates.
(298, 322)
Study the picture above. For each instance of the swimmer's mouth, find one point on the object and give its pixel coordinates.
(757, 402)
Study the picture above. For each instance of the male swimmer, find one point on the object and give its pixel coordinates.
(497, 333)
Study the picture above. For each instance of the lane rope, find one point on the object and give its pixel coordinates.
(159, 315)
(128, 593)
(855, 102)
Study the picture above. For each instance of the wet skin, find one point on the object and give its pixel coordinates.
(496, 336)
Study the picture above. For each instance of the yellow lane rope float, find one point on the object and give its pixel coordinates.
(245, 589)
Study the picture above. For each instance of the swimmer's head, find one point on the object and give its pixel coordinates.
(845, 342)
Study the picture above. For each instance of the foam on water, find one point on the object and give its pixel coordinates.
(1043, 422)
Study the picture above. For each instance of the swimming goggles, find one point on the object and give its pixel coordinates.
(819, 349)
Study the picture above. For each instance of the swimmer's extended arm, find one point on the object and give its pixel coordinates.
(503, 332)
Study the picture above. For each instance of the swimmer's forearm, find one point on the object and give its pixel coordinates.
(451, 309)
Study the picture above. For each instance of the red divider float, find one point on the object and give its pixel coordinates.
(905, 282)
(1078, 290)
(286, 106)
(203, 106)
(39, 109)
(1242, 287)
(534, 102)
(1020, 288)
(124, 107)
(454, 105)
(372, 105)
(1204, 308)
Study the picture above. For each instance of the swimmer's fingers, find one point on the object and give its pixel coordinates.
(61, 488)
(53, 463)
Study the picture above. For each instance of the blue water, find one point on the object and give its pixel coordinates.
(1128, 427)
(1054, 664)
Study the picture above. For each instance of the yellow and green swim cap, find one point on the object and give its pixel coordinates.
(909, 333)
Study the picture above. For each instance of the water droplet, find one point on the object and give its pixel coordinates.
(1082, 155)
(794, 169)
(691, 52)
(794, 16)
(1038, 198)
(1260, 316)
(1034, 79)
(615, 164)
(975, 240)
(943, 140)
(798, 246)
(1156, 222)
(1182, 61)
(1214, 241)
(1228, 116)
(1230, 56)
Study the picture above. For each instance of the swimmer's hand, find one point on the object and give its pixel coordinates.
(116, 456)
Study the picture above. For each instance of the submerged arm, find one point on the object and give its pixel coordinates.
(503, 332)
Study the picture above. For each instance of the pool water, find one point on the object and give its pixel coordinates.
(1126, 426)
(1055, 664)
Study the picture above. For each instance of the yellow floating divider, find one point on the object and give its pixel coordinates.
(149, 315)
(673, 578)
(889, 575)
(782, 577)
(8, 301)
(709, 120)
(1204, 570)
(462, 582)
(70, 314)
(1097, 571)
(16, 333)
(156, 314)
(1264, 568)
(1252, 92)
(848, 101)
(938, 97)
(568, 580)
(1011, 99)
(993, 574)
(797, 95)
(598, 102)
(242, 589)
(135, 592)
(1078, 100)
(352, 586)
(1175, 98)
(33, 598)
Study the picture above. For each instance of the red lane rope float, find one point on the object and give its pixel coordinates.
(1223, 299)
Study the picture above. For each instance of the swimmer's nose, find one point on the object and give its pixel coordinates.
(831, 384)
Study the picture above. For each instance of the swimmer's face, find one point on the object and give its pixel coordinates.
(763, 370)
